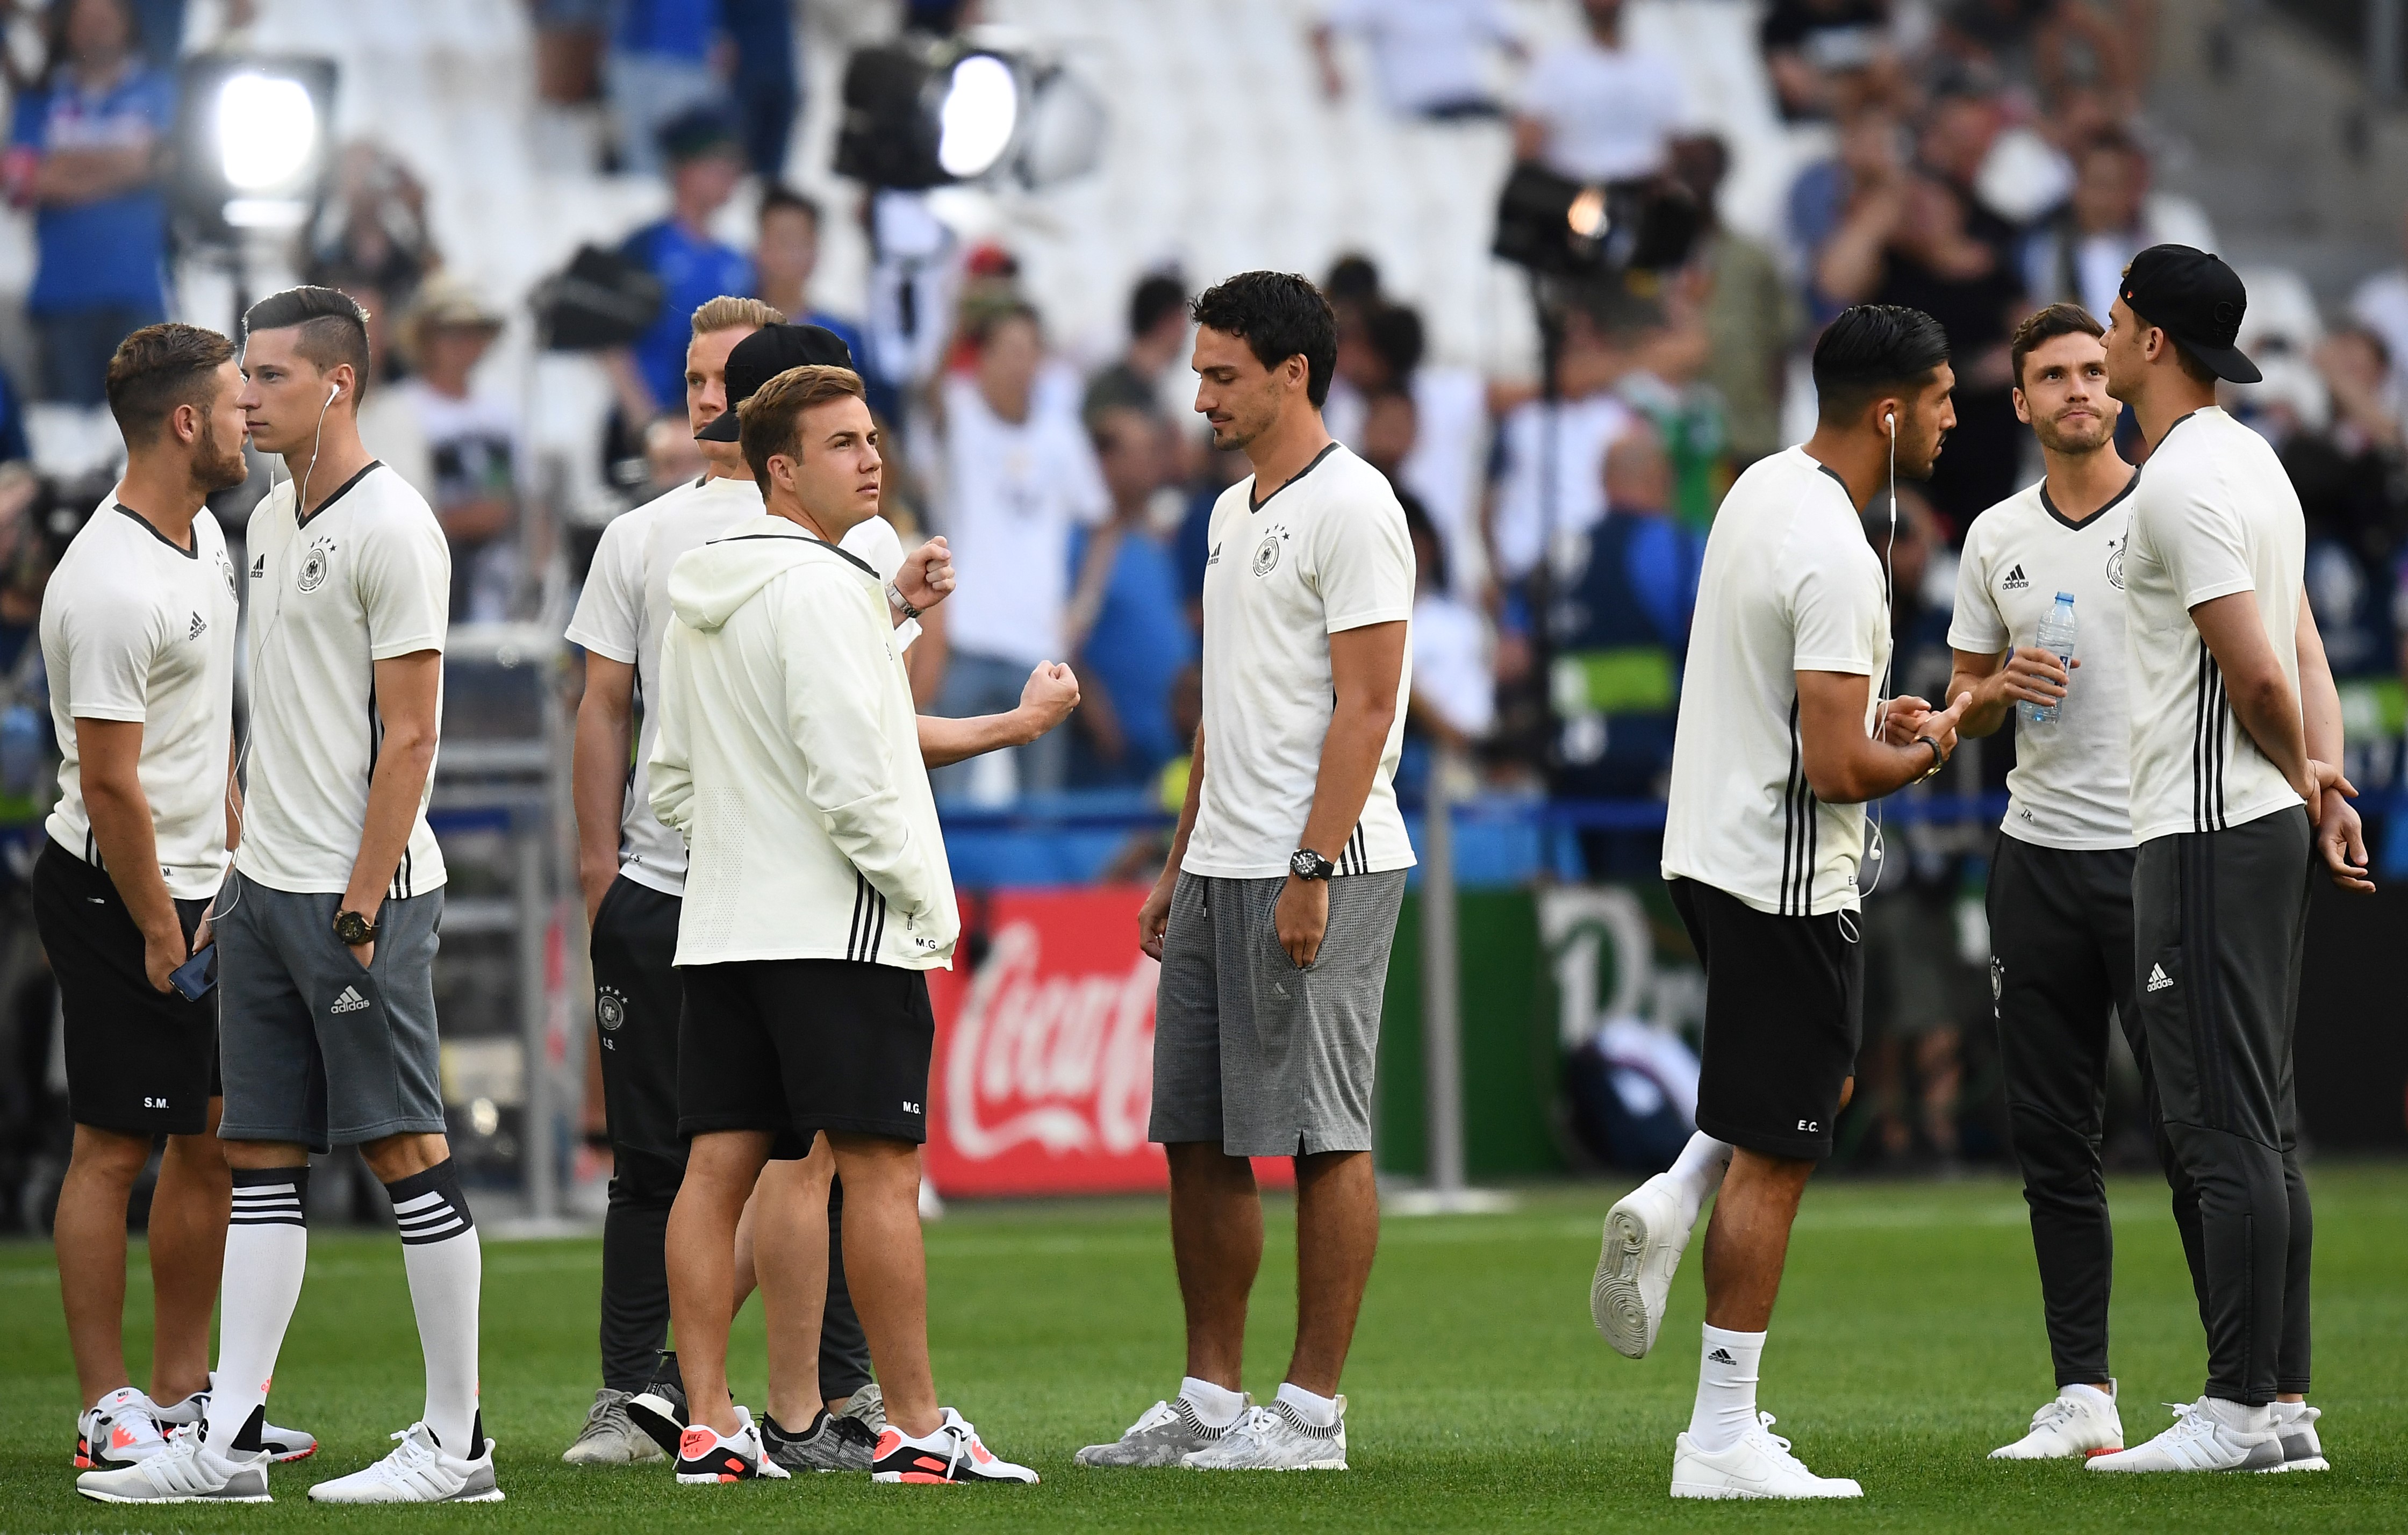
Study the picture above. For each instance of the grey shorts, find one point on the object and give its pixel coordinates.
(1249, 1050)
(316, 1051)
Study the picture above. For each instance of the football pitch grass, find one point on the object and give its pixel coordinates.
(1907, 1345)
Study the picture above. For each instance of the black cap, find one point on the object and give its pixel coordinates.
(2198, 301)
(698, 131)
(761, 357)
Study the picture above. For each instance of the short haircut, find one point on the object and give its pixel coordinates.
(158, 368)
(726, 312)
(1871, 349)
(771, 418)
(984, 319)
(2044, 325)
(1354, 278)
(334, 329)
(1278, 315)
(1154, 298)
(1394, 333)
(777, 195)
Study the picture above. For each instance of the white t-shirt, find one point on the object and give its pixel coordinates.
(1611, 112)
(1426, 52)
(1453, 671)
(625, 610)
(1012, 491)
(1327, 553)
(1584, 429)
(2214, 514)
(367, 578)
(1789, 586)
(2071, 786)
(135, 628)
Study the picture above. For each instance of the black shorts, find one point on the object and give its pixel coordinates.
(141, 1061)
(798, 1046)
(635, 1002)
(1784, 1013)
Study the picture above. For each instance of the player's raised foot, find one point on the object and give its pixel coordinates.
(282, 1444)
(118, 1430)
(706, 1456)
(833, 1442)
(418, 1470)
(609, 1437)
(2082, 1421)
(184, 1471)
(659, 1413)
(2294, 1425)
(2205, 1437)
(1165, 1434)
(953, 1455)
(1277, 1438)
(1758, 1466)
(1644, 1238)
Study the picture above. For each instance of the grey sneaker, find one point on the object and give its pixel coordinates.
(1276, 1439)
(1165, 1435)
(2301, 1450)
(183, 1473)
(836, 1442)
(867, 1407)
(609, 1438)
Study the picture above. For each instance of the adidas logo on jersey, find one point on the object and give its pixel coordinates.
(351, 1001)
(2159, 979)
(2014, 581)
(259, 567)
(200, 626)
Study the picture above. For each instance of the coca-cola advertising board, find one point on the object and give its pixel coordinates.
(1044, 1070)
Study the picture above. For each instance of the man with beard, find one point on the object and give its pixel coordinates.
(137, 635)
(2060, 898)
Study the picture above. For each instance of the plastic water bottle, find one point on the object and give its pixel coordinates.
(2057, 638)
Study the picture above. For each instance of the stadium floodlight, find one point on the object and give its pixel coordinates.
(980, 109)
(253, 142)
(923, 112)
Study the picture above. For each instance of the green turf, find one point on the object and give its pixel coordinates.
(1908, 1343)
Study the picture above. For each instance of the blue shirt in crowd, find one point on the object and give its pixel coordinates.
(112, 252)
(1138, 645)
(693, 272)
(678, 29)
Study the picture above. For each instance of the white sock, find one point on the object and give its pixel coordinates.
(2091, 1394)
(266, 1253)
(1321, 1412)
(1726, 1408)
(2288, 1411)
(1696, 1173)
(2240, 1416)
(440, 1253)
(1217, 1406)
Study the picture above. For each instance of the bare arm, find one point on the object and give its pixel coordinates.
(1849, 267)
(2234, 632)
(1846, 767)
(1997, 682)
(111, 754)
(597, 772)
(478, 517)
(1333, 84)
(1155, 915)
(1045, 701)
(1365, 666)
(407, 687)
(1530, 137)
(69, 177)
(2341, 839)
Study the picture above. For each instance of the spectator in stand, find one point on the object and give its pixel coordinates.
(1751, 313)
(1595, 110)
(1550, 482)
(84, 153)
(2078, 252)
(786, 258)
(767, 88)
(1015, 480)
(1453, 700)
(389, 423)
(2350, 471)
(1157, 321)
(1128, 628)
(472, 444)
(1821, 53)
(1957, 136)
(692, 264)
(2381, 305)
(2055, 43)
(1425, 53)
(1380, 351)
(1853, 192)
(375, 223)
(663, 65)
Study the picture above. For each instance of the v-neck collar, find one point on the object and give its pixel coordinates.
(153, 529)
(1254, 506)
(340, 490)
(2049, 506)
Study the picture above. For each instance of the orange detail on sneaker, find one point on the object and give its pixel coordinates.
(980, 1453)
(84, 1453)
(119, 1437)
(925, 1479)
(931, 1462)
(2093, 1455)
(890, 1439)
(696, 1442)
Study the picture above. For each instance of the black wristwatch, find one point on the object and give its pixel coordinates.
(1938, 757)
(1305, 864)
(354, 929)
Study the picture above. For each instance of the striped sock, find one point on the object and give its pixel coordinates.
(266, 1253)
(440, 1253)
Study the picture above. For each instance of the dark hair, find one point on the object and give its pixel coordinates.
(777, 194)
(59, 53)
(334, 329)
(1870, 350)
(1419, 524)
(2115, 141)
(984, 318)
(1155, 297)
(2044, 325)
(1394, 334)
(771, 416)
(1278, 315)
(1353, 280)
(158, 368)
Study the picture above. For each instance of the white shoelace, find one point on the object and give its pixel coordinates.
(2058, 1412)
(1156, 1416)
(1779, 1446)
(412, 1455)
(1258, 1424)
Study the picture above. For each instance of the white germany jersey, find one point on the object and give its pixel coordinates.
(367, 578)
(1789, 586)
(2072, 781)
(2214, 514)
(135, 628)
(625, 610)
(1327, 552)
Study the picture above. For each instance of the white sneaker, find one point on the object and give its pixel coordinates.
(417, 1472)
(950, 1456)
(282, 1444)
(1643, 1242)
(2077, 1423)
(1758, 1466)
(1276, 1438)
(705, 1457)
(2200, 1441)
(2294, 1425)
(118, 1430)
(183, 1471)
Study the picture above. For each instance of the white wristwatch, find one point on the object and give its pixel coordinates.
(897, 600)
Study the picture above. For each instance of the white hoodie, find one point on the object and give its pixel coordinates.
(789, 756)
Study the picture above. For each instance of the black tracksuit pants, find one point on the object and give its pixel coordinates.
(2060, 967)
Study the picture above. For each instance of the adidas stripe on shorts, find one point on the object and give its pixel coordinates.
(316, 1051)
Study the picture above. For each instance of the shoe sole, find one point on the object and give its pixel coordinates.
(186, 1498)
(925, 1479)
(1614, 1303)
(1726, 1494)
(2001, 1454)
(493, 1495)
(657, 1420)
(2313, 1463)
(1337, 1465)
(291, 1456)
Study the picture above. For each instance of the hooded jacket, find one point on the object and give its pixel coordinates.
(788, 755)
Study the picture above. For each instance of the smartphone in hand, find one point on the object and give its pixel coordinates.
(194, 978)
